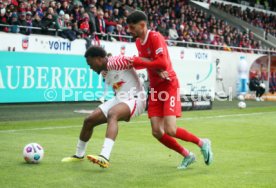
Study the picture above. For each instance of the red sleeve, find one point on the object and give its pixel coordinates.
(118, 63)
(157, 63)
(160, 61)
(137, 67)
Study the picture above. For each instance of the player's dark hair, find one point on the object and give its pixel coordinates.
(136, 16)
(95, 51)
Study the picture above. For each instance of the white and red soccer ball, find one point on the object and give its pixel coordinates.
(33, 153)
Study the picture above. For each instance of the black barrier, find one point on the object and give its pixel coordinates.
(196, 102)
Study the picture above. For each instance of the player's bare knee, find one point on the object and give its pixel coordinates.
(112, 115)
(157, 134)
(171, 131)
(88, 123)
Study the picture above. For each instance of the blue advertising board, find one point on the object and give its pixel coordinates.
(38, 77)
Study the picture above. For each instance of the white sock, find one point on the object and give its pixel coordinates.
(107, 147)
(81, 147)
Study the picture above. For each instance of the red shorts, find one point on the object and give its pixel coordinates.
(164, 100)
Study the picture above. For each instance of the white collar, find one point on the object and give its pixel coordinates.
(146, 38)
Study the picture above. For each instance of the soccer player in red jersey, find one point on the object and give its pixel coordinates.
(164, 104)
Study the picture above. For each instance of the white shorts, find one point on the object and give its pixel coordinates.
(136, 106)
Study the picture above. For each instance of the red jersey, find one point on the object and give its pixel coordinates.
(155, 48)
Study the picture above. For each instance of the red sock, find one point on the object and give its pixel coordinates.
(189, 137)
(171, 143)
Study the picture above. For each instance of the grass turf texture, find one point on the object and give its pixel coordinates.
(243, 143)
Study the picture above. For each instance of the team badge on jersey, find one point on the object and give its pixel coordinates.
(148, 51)
(118, 85)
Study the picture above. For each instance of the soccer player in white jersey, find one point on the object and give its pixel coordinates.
(129, 101)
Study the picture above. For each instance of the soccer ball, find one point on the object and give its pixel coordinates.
(241, 97)
(242, 104)
(33, 153)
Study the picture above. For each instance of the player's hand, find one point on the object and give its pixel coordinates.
(104, 73)
(133, 59)
(163, 74)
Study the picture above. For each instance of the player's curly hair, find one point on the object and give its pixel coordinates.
(136, 16)
(95, 51)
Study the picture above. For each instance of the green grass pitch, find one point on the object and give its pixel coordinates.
(243, 141)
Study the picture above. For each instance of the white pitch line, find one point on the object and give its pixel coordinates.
(37, 129)
(133, 122)
(83, 111)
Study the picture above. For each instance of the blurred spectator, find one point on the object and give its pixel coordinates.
(29, 22)
(39, 9)
(14, 23)
(76, 13)
(3, 20)
(67, 21)
(68, 31)
(255, 85)
(21, 8)
(173, 35)
(163, 29)
(66, 7)
(116, 15)
(36, 23)
(126, 13)
(100, 23)
(122, 9)
(60, 20)
(120, 32)
(58, 7)
(52, 4)
(100, 4)
(152, 26)
(84, 27)
(92, 12)
(116, 5)
(272, 82)
(48, 23)
(108, 6)
(109, 22)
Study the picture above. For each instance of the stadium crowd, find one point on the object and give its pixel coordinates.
(175, 19)
(259, 19)
(263, 4)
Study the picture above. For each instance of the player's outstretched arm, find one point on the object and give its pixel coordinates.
(158, 63)
(163, 74)
(137, 67)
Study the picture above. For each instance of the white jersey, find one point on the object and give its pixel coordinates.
(126, 85)
(123, 79)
